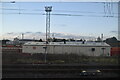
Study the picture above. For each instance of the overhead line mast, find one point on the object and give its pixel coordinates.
(48, 9)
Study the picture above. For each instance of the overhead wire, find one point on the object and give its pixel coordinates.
(62, 10)
(19, 8)
(56, 10)
(59, 14)
(107, 11)
(112, 8)
(36, 13)
(108, 8)
(104, 9)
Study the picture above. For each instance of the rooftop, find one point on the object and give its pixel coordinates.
(69, 43)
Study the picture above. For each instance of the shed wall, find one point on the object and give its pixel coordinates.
(68, 49)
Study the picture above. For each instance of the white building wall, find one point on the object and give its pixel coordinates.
(68, 49)
(33, 49)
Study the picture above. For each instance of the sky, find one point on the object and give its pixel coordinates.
(88, 19)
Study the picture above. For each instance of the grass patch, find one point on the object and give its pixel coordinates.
(57, 58)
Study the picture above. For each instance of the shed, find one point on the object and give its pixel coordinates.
(80, 48)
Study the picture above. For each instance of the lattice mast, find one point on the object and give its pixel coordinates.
(48, 9)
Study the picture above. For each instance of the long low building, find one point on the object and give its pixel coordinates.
(80, 48)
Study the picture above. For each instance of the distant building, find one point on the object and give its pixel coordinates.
(27, 40)
(88, 48)
(21, 41)
(4, 42)
(99, 39)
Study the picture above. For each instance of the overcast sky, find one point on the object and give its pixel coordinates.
(87, 18)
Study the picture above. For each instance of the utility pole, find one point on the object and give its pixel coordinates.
(102, 37)
(22, 36)
(48, 9)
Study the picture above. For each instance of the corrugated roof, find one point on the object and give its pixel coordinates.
(69, 43)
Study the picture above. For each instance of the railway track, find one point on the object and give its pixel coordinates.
(57, 70)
